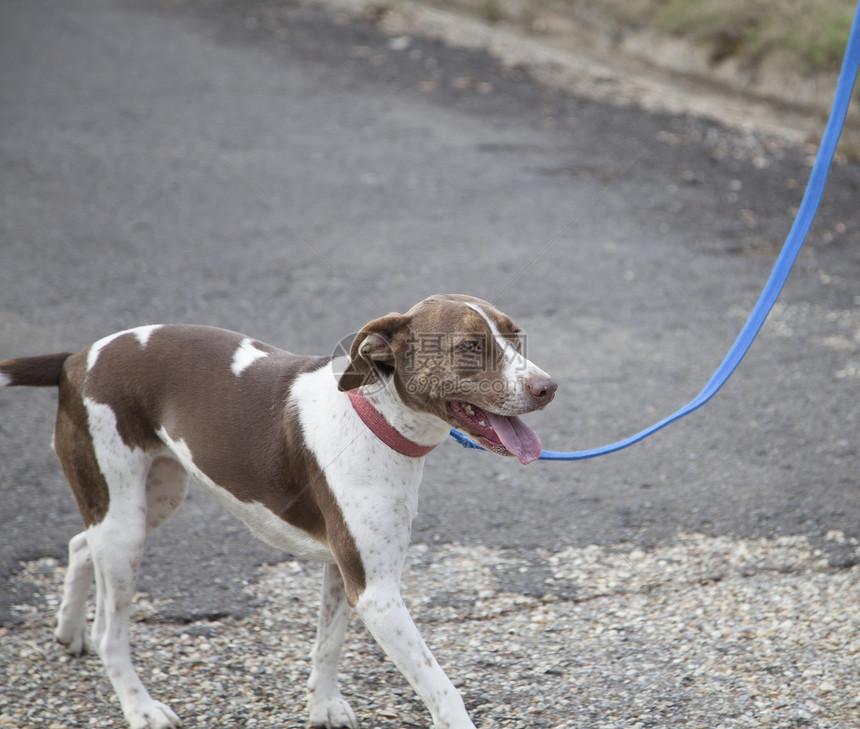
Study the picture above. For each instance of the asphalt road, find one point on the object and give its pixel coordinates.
(289, 173)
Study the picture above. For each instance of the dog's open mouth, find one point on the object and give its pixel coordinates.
(505, 435)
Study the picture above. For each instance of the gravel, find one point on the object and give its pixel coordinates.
(700, 632)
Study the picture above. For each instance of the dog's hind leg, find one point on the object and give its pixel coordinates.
(166, 486)
(116, 546)
(327, 708)
(71, 617)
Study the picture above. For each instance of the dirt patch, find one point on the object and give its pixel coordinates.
(641, 67)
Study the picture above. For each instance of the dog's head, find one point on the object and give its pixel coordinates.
(462, 360)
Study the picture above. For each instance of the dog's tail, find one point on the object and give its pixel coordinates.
(41, 371)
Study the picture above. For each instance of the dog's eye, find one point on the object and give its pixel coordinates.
(470, 346)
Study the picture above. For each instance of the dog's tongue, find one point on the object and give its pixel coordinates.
(517, 437)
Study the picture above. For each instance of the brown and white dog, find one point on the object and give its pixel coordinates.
(321, 463)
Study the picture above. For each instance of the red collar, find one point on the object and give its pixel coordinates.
(382, 429)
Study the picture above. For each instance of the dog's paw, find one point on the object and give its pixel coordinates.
(333, 713)
(152, 715)
(75, 641)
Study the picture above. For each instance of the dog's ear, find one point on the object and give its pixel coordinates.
(374, 351)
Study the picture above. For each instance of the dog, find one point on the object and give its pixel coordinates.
(318, 456)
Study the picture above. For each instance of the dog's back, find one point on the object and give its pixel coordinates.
(218, 393)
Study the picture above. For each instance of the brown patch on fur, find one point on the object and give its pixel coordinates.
(74, 446)
(43, 370)
(240, 429)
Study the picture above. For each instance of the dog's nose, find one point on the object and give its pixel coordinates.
(542, 389)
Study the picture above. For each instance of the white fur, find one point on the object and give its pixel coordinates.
(98, 346)
(71, 617)
(142, 333)
(326, 706)
(519, 370)
(377, 490)
(245, 355)
(355, 458)
(4, 379)
(116, 547)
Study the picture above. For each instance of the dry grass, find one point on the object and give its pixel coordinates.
(807, 36)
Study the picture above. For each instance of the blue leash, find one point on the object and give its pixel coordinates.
(779, 275)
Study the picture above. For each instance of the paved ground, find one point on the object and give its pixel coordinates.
(290, 173)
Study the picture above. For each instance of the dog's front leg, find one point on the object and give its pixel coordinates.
(383, 611)
(326, 706)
